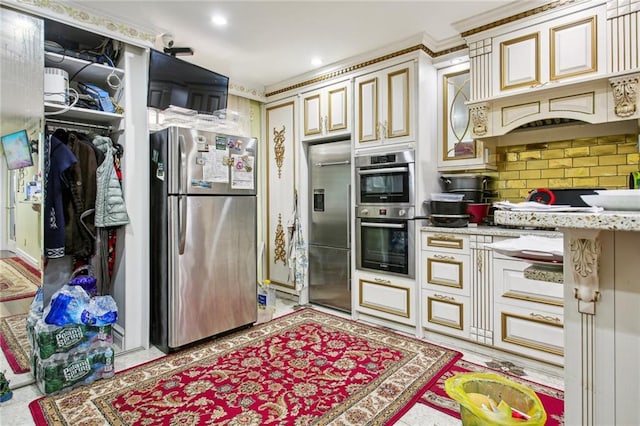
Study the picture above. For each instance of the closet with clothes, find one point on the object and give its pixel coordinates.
(84, 204)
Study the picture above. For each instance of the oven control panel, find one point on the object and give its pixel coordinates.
(385, 212)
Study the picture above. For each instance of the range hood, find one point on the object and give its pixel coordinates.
(589, 108)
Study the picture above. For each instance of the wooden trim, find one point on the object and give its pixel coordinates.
(519, 16)
(346, 70)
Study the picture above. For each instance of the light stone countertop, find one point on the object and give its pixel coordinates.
(606, 220)
(492, 230)
(544, 274)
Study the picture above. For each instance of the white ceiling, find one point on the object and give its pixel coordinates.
(267, 42)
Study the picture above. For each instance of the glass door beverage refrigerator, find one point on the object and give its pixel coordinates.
(202, 235)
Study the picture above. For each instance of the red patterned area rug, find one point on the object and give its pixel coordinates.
(307, 367)
(436, 397)
(15, 342)
(18, 279)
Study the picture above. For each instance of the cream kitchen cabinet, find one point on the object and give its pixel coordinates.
(280, 153)
(568, 44)
(386, 297)
(457, 285)
(326, 112)
(548, 69)
(528, 313)
(469, 291)
(562, 48)
(457, 150)
(384, 106)
(445, 281)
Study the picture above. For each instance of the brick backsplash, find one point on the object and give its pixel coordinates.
(603, 162)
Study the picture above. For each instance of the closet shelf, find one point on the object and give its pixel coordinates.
(94, 72)
(88, 115)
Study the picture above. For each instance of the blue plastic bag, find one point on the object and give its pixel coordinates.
(66, 306)
(100, 311)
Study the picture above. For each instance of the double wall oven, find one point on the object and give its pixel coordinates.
(385, 213)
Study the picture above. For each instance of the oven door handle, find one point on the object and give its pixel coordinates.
(383, 225)
(383, 170)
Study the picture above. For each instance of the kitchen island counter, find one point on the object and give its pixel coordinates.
(495, 231)
(601, 312)
(606, 220)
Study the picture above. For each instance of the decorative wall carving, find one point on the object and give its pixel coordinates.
(625, 91)
(479, 118)
(280, 250)
(278, 142)
(585, 257)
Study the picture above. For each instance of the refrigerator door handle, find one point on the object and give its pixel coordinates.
(182, 189)
(182, 222)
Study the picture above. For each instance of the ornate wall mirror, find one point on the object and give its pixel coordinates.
(457, 139)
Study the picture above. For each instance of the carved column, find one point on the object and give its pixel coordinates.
(479, 114)
(625, 93)
(584, 263)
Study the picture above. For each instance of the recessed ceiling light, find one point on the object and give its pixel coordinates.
(219, 20)
(316, 61)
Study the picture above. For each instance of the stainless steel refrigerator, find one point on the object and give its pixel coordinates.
(203, 235)
(329, 248)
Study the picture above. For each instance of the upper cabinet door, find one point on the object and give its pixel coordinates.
(559, 49)
(398, 116)
(325, 112)
(384, 106)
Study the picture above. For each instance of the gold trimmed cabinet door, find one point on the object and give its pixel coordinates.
(384, 106)
(326, 112)
(457, 149)
(566, 46)
(386, 297)
(280, 180)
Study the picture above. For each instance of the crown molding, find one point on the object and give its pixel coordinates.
(507, 14)
(416, 43)
(73, 14)
(239, 89)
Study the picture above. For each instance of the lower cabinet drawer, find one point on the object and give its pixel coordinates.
(511, 286)
(446, 313)
(446, 272)
(385, 299)
(531, 332)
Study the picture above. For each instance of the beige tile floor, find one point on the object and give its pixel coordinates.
(15, 411)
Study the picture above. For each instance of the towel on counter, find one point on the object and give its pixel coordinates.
(535, 246)
(534, 206)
